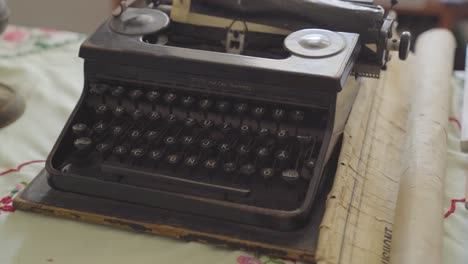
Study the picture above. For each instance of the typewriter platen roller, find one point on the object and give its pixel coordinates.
(234, 123)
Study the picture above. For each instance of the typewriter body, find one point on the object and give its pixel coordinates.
(205, 108)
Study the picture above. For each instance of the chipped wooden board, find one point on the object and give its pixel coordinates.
(38, 197)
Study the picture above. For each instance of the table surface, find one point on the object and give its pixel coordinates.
(43, 66)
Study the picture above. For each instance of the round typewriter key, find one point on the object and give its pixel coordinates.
(118, 91)
(243, 150)
(205, 104)
(191, 161)
(119, 111)
(230, 167)
(247, 170)
(259, 112)
(223, 106)
(120, 150)
(245, 130)
(241, 108)
(267, 173)
(190, 122)
(152, 96)
(188, 102)
(102, 109)
(207, 124)
(263, 153)
(188, 140)
(83, 143)
(103, 147)
(169, 98)
(225, 127)
(155, 155)
(210, 164)
(282, 136)
(170, 141)
(135, 94)
(117, 131)
(152, 135)
(173, 159)
(154, 116)
(207, 143)
(137, 114)
(171, 119)
(135, 135)
(99, 127)
(290, 176)
(279, 114)
(297, 116)
(98, 88)
(224, 148)
(79, 129)
(137, 153)
(282, 157)
(310, 164)
(264, 132)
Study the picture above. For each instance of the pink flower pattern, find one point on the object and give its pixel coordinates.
(15, 36)
(248, 260)
(6, 202)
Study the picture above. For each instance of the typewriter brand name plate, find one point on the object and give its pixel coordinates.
(315, 43)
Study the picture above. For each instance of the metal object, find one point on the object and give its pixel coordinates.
(315, 43)
(235, 39)
(139, 21)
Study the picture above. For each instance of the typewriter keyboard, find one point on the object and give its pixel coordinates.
(249, 152)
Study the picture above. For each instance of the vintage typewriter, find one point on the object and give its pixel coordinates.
(228, 109)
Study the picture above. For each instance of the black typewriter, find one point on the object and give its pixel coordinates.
(224, 109)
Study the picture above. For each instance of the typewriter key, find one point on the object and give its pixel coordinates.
(100, 127)
(118, 91)
(297, 116)
(259, 113)
(191, 161)
(263, 154)
(170, 142)
(282, 156)
(170, 98)
(155, 155)
(223, 107)
(117, 131)
(282, 136)
(230, 167)
(243, 150)
(154, 116)
(205, 105)
(267, 173)
(80, 129)
(173, 159)
(152, 97)
(188, 102)
(188, 140)
(245, 131)
(119, 111)
(290, 176)
(310, 164)
(98, 88)
(102, 110)
(241, 109)
(171, 119)
(225, 127)
(279, 114)
(137, 153)
(190, 122)
(83, 143)
(247, 170)
(137, 114)
(207, 124)
(135, 135)
(207, 143)
(210, 165)
(120, 151)
(135, 95)
(103, 148)
(264, 132)
(152, 135)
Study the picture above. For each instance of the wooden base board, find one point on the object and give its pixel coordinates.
(40, 198)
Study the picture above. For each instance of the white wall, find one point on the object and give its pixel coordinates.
(74, 15)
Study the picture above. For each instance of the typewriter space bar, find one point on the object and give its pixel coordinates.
(109, 168)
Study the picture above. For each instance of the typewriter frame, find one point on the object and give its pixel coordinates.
(330, 78)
